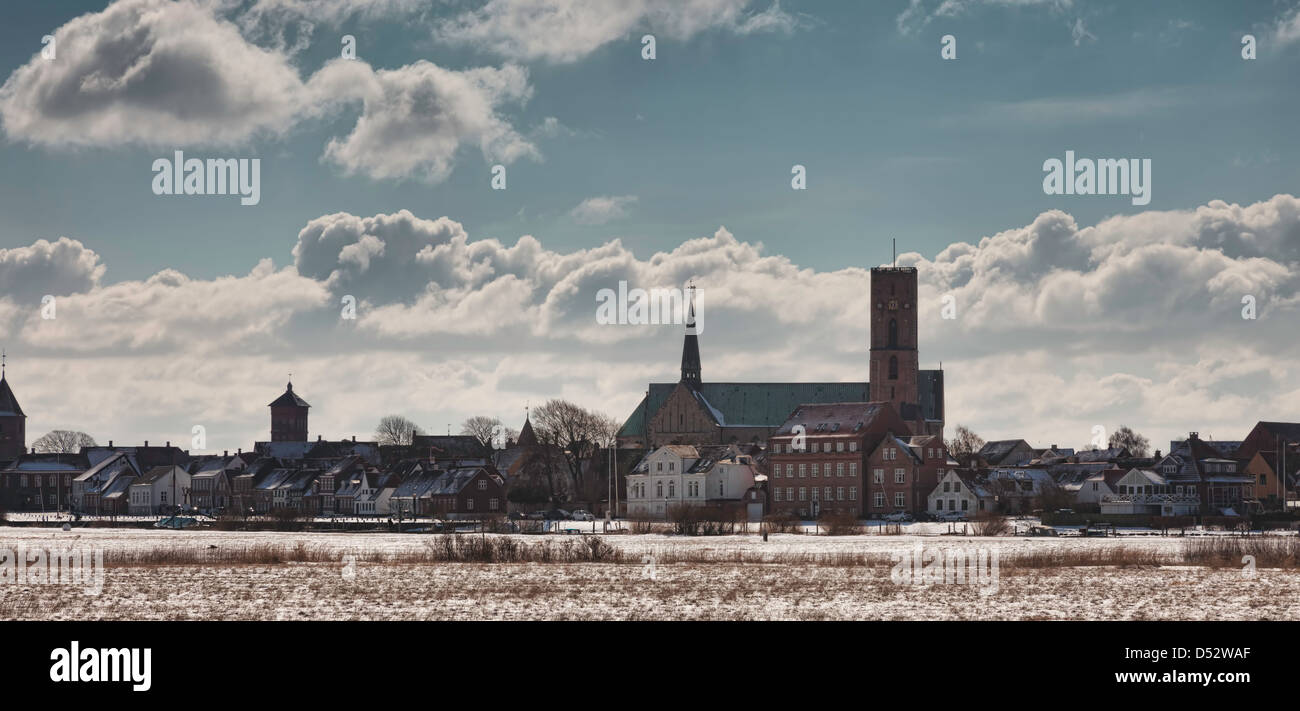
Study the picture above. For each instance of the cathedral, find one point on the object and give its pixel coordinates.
(692, 411)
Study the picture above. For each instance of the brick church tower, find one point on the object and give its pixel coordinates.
(895, 361)
(289, 417)
(13, 423)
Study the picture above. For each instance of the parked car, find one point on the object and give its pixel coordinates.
(950, 516)
(583, 515)
(536, 515)
(899, 517)
(559, 515)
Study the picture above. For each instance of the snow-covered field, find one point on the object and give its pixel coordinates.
(734, 577)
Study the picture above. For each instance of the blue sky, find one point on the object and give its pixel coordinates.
(898, 142)
(169, 315)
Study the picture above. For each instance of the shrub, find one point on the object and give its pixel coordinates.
(840, 524)
(988, 523)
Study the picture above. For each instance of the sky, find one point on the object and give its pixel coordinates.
(376, 174)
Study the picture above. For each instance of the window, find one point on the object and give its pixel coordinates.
(893, 334)
(803, 493)
(893, 367)
(493, 504)
(789, 493)
(853, 493)
(469, 502)
(839, 493)
(816, 494)
(853, 469)
(482, 485)
(672, 466)
(899, 500)
(839, 469)
(816, 469)
(900, 476)
(672, 489)
(789, 470)
(659, 489)
(826, 494)
(776, 494)
(1094, 486)
(878, 476)
(659, 466)
(965, 505)
(776, 449)
(803, 470)
(722, 489)
(826, 446)
(839, 446)
(853, 446)
(946, 486)
(880, 499)
(164, 497)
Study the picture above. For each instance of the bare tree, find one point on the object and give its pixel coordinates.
(395, 429)
(484, 429)
(63, 442)
(509, 436)
(575, 431)
(1125, 437)
(964, 443)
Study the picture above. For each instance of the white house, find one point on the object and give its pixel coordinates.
(960, 492)
(1098, 486)
(1142, 491)
(158, 490)
(675, 474)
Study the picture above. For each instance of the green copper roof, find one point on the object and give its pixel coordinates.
(769, 404)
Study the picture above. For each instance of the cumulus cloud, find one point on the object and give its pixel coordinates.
(416, 118)
(562, 31)
(165, 74)
(150, 72)
(64, 266)
(1059, 326)
(599, 210)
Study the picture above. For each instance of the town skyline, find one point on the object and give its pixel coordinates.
(133, 314)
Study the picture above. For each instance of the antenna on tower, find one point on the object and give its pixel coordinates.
(3, 355)
(895, 252)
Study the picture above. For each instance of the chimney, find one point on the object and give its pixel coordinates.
(1158, 455)
(110, 444)
(1053, 448)
(169, 443)
(240, 450)
(146, 443)
(320, 438)
(226, 453)
(33, 450)
(354, 438)
(1193, 436)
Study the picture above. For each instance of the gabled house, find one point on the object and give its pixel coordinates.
(159, 491)
(1142, 491)
(958, 492)
(102, 489)
(467, 492)
(1196, 466)
(1006, 453)
(678, 474)
(1096, 487)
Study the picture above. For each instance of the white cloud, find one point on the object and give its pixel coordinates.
(150, 72)
(602, 209)
(1134, 320)
(562, 31)
(1079, 32)
(164, 75)
(416, 118)
(1286, 28)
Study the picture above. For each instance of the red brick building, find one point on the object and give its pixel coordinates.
(820, 456)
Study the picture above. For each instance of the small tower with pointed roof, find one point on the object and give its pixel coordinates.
(13, 423)
(527, 438)
(289, 417)
(691, 346)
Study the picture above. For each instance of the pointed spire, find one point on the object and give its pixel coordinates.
(691, 345)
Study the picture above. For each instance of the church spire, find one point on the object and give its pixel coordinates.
(691, 346)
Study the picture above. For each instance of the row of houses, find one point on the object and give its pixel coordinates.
(443, 476)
